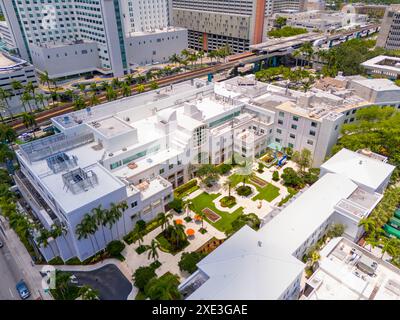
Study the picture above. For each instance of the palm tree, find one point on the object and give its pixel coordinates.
(164, 219)
(153, 85)
(29, 87)
(110, 93)
(79, 103)
(43, 240)
(93, 87)
(126, 90)
(99, 215)
(188, 205)
(28, 119)
(200, 55)
(5, 153)
(87, 293)
(94, 100)
(212, 55)
(390, 245)
(153, 249)
(140, 78)
(40, 98)
(178, 232)
(86, 229)
(17, 86)
(4, 96)
(26, 98)
(116, 212)
(186, 53)
(165, 288)
(110, 221)
(82, 87)
(7, 134)
(45, 79)
(129, 79)
(227, 185)
(369, 225)
(174, 59)
(115, 83)
(202, 215)
(123, 206)
(140, 88)
(139, 236)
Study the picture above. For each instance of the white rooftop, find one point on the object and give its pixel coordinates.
(359, 168)
(310, 210)
(242, 268)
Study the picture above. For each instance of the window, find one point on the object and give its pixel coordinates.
(133, 204)
(310, 142)
(294, 126)
(351, 120)
(354, 111)
(171, 166)
(313, 124)
(292, 136)
(280, 121)
(312, 133)
(295, 118)
(279, 130)
(162, 171)
(281, 114)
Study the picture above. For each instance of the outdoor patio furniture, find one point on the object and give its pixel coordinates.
(190, 232)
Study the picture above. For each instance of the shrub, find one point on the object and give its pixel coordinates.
(228, 201)
(243, 191)
(250, 219)
(310, 178)
(260, 168)
(189, 261)
(224, 168)
(291, 178)
(187, 219)
(141, 249)
(275, 175)
(142, 276)
(176, 204)
(163, 288)
(156, 264)
(115, 247)
(185, 187)
(209, 181)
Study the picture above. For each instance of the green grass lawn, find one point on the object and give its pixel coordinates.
(268, 193)
(205, 200)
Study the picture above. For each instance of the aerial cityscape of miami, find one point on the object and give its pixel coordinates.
(220, 151)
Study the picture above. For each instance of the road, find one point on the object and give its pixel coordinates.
(9, 272)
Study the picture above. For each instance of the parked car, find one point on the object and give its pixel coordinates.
(23, 290)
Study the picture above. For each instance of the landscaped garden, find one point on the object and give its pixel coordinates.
(172, 239)
(205, 201)
(266, 191)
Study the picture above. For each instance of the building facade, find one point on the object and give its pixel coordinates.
(389, 35)
(56, 27)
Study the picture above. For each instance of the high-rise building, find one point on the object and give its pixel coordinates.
(239, 24)
(213, 24)
(389, 36)
(76, 36)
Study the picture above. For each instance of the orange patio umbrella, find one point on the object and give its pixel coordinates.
(190, 232)
(178, 221)
(197, 217)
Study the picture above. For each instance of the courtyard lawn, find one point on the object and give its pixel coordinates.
(268, 193)
(205, 200)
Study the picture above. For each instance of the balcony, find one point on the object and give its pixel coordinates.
(31, 195)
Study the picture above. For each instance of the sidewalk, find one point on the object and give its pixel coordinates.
(28, 268)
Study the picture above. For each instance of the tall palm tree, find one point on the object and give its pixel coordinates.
(79, 103)
(202, 215)
(123, 206)
(153, 249)
(86, 229)
(28, 119)
(200, 55)
(82, 87)
(7, 134)
(26, 98)
(4, 96)
(43, 239)
(40, 99)
(116, 212)
(110, 221)
(93, 87)
(164, 219)
(45, 79)
(227, 185)
(99, 215)
(369, 225)
(390, 245)
(178, 233)
(17, 87)
(29, 87)
(5, 153)
(174, 59)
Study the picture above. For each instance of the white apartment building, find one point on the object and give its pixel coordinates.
(136, 150)
(265, 264)
(386, 66)
(46, 32)
(14, 69)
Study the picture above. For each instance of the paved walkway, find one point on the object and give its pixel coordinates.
(168, 261)
(24, 261)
